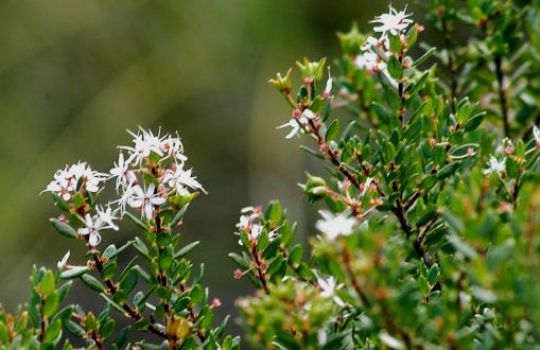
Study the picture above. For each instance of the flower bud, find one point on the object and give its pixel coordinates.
(312, 71)
(283, 84)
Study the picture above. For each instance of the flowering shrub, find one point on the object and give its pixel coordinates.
(161, 294)
(428, 213)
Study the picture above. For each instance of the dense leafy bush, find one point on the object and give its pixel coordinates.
(429, 211)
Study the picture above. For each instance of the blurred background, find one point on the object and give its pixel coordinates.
(74, 75)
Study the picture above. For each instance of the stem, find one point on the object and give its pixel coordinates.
(162, 279)
(43, 322)
(261, 276)
(134, 314)
(99, 343)
(401, 90)
(348, 267)
(502, 95)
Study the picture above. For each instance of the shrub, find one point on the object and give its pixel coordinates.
(428, 213)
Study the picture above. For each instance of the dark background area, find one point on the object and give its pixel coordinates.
(74, 75)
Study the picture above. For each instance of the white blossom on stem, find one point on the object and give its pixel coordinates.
(328, 289)
(122, 172)
(180, 180)
(107, 216)
(334, 225)
(495, 166)
(65, 181)
(297, 123)
(92, 226)
(145, 200)
(144, 143)
(393, 22)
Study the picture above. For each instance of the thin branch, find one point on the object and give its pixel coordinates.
(502, 94)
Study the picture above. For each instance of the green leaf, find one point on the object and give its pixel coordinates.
(53, 331)
(74, 329)
(296, 254)
(63, 228)
(313, 152)
(424, 57)
(474, 122)
(136, 220)
(462, 247)
(181, 304)
(129, 281)
(333, 130)
(448, 170)
(186, 250)
(106, 328)
(395, 68)
(433, 274)
(163, 239)
(109, 251)
(47, 284)
(74, 272)
(197, 294)
(239, 260)
(51, 305)
(165, 260)
(395, 43)
(274, 212)
(92, 283)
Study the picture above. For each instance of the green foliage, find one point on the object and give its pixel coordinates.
(428, 239)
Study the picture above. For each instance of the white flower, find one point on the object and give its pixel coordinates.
(180, 180)
(91, 228)
(244, 222)
(393, 22)
(328, 88)
(107, 216)
(62, 264)
(255, 232)
(295, 128)
(328, 289)
(65, 181)
(336, 225)
(138, 198)
(124, 176)
(371, 61)
(370, 42)
(144, 143)
(495, 166)
(536, 134)
(297, 123)
(172, 146)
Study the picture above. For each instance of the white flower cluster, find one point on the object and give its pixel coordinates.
(160, 156)
(251, 223)
(73, 178)
(395, 23)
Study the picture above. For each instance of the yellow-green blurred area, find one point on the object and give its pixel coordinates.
(74, 75)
